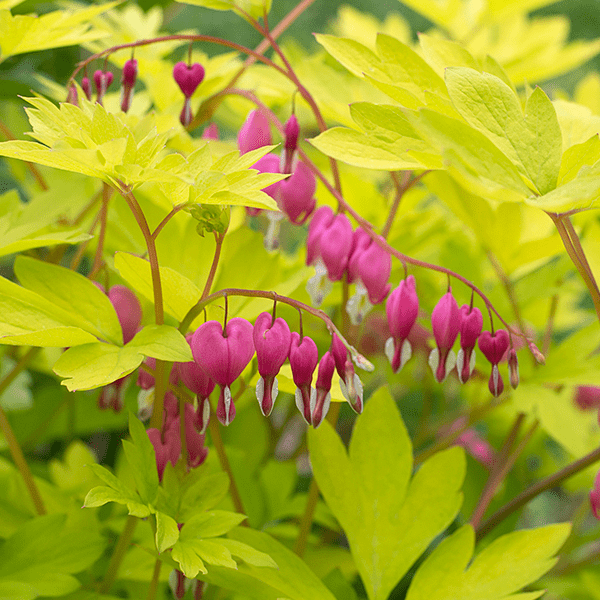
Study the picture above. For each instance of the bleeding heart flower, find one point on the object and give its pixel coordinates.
(402, 309)
(272, 342)
(445, 321)
(224, 355)
(188, 77)
(102, 81)
(470, 329)
(128, 78)
(86, 86)
(493, 346)
(304, 357)
(128, 309)
(165, 451)
(296, 194)
(255, 133)
(323, 389)
(350, 383)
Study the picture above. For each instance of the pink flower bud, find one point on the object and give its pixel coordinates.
(86, 86)
(323, 387)
(196, 452)
(335, 244)
(402, 309)
(513, 368)
(470, 329)
(102, 81)
(361, 240)
(128, 309)
(72, 97)
(188, 77)
(304, 357)
(292, 131)
(319, 223)
(445, 321)
(223, 355)
(296, 197)
(165, 451)
(211, 132)
(587, 397)
(255, 133)
(374, 268)
(493, 347)
(350, 383)
(128, 78)
(272, 342)
(539, 357)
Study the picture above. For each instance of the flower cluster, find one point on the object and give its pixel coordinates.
(447, 321)
(335, 249)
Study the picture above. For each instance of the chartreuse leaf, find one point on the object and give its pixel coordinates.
(90, 366)
(471, 151)
(255, 8)
(73, 292)
(39, 559)
(353, 55)
(179, 293)
(292, 578)
(578, 156)
(28, 33)
(211, 524)
(532, 141)
(389, 520)
(507, 565)
(441, 53)
(142, 460)
(167, 532)
(28, 319)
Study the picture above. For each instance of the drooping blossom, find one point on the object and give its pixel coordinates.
(102, 81)
(470, 329)
(304, 357)
(350, 383)
(128, 78)
(402, 309)
(255, 133)
(188, 78)
(493, 346)
(272, 341)
(445, 322)
(323, 388)
(223, 355)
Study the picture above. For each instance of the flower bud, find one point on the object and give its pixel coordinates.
(323, 387)
(211, 132)
(541, 359)
(255, 133)
(304, 357)
(296, 194)
(128, 309)
(128, 78)
(402, 309)
(188, 77)
(86, 86)
(445, 321)
(72, 97)
(470, 329)
(102, 81)
(165, 451)
(292, 131)
(493, 347)
(595, 497)
(335, 244)
(587, 397)
(272, 342)
(350, 383)
(513, 368)
(223, 355)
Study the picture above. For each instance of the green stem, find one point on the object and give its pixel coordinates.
(154, 583)
(574, 249)
(535, 490)
(13, 444)
(118, 554)
(313, 495)
(106, 194)
(217, 440)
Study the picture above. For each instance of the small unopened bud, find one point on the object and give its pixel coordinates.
(72, 95)
(128, 78)
(513, 368)
(86, 86)
(211, 132)
(536, 353)
(102, 81)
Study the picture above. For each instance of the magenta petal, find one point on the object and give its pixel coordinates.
(304, 357)
(320, 221)
(402, 308)
(361, 240)
(272, 343)
(254, 133)
(471, 326)
(188, 78)
(335, 244)
(493, 346)
(292, 131)
(128, 309)
(297, 191)
(445, 321)
(269, 164)
(374, 268)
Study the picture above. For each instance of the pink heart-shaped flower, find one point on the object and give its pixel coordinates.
(297, 191)
(494, 345)
(188, 78)
(223, 355)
